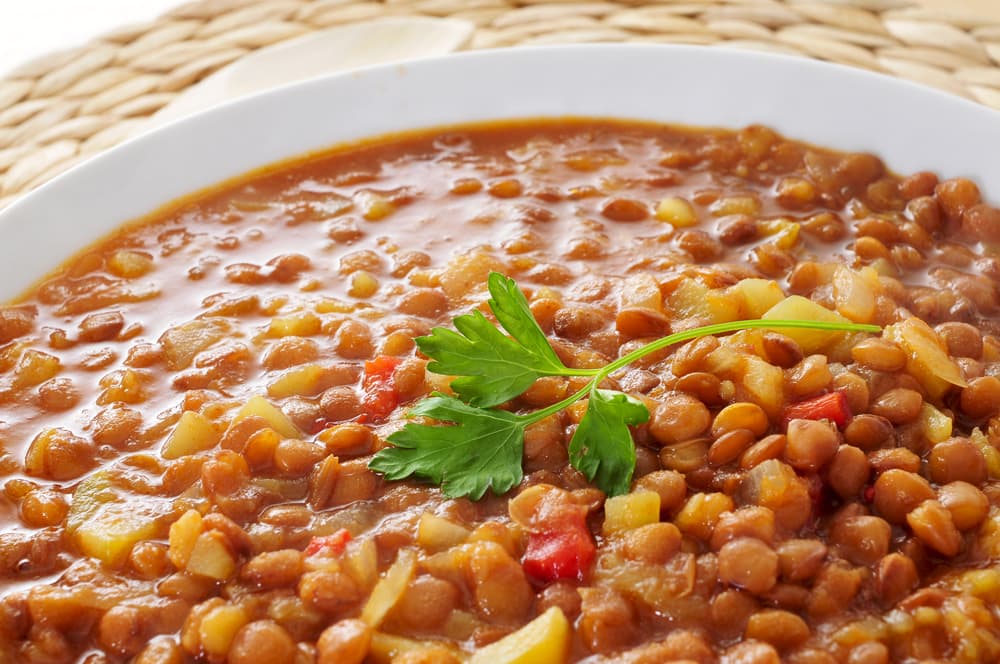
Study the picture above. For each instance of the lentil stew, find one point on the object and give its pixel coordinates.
(188, 410)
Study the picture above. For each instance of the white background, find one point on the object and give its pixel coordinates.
(29, 28)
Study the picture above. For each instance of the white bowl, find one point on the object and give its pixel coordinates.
(912, 128)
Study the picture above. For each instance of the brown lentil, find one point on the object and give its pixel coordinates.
(748, 563)
(897, 492)
(848, 472)
(981, 399)
(196, 487)
(678, 418)
(898, 405)
(956, 459)
(810, 444)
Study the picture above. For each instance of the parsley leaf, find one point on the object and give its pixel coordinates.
(493, 368)
(511, 309)
(481, 450)
(480, 447)
(602, 447)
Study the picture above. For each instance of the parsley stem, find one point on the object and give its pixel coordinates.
(686, 335)
(722, 328)
(576, 372)
(478, 446)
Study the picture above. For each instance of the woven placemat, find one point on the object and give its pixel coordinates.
(65, 107)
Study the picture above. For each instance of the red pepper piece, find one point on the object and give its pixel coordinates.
(379, 386)
(832, 406)
(329, 545)
(559, 554)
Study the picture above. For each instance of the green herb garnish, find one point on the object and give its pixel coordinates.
(491, 367)
(479, 446)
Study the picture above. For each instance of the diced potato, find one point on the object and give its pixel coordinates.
(390, 588)
(677, 212)
(106, 520)
(361, 562)
(363, 284)
(775, 485)
(757, 296)
(193, 433)
(374, 206)
(735, 205)
(990, 453)
(927, 356)
(788, 236)
(333, 306)
(124, 385)
(689, 299)
(983, 583)
(385, 648)
(34, 367)
(796, 307)
(306, 381)
(304, 324)
(784, 231)
(853, 295)
(722, 307)
(261, 407)
(640, 290)
(219, 627)
(544, 639)
(129, 264)
(182, 342)
(726, 361)
(936, 425)
(631, 511)
(113, 530)
(764, 384)
(184, 533)
(88, 497)
(692, 299)
(10, 353)
(211, 557)
(436, 534)
(464, 275)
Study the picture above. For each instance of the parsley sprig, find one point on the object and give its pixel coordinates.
(478, 447)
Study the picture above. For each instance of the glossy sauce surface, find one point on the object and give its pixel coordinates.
(290, 285)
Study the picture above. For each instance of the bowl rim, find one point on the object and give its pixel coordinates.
(89, 183)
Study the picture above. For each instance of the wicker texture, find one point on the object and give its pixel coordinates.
(65, 107)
